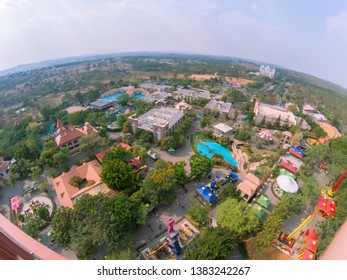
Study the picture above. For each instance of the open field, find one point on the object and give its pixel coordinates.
(238, 80)
(201, 77)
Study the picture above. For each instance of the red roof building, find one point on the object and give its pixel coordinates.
(89, 173)
(15, 244)
(68, 136)
(5, 166)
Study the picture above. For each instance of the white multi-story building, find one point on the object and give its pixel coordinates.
(266, 71)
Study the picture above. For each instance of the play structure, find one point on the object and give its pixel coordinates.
(210, 191)
(296, 152)
(314, 142)
(138, 169)
(310, 246)
(325, 207)
(170, 243)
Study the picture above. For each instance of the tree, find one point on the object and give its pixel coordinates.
(224, 140)
(199, 214)
(118, 153)
(43, 213)
(158, 188)
(92, 143)
(180, 172)
(31, 226)
(200, 166)
(35, 172)
(61, 159)
(117, 174)
(139, 151)
(237, 216)
(242, 134)
(319, 132)
(62, 224)
(213, 244)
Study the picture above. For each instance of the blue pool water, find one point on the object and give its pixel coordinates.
(138, 95)
(114, 96)
(210, 148)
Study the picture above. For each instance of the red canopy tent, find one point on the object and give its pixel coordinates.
(288, 166)
(311, 241)
(327, 206)
(306, 255)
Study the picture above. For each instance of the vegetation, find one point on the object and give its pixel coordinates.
(95, 221)
(199, 214)
(200, 166)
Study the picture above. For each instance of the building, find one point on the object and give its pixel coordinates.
(286, 138)
(183, 106)
(191, 94)
(68, 136)
(5, 166)
(91, 183)
(102, 104)
(249, 187)
(266, 71)
(222, 129)
(221, 108)
(15, 244)
(160, 121)
(271, 114)
(308, 109)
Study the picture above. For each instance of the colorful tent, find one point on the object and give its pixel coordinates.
(206, 193)
(264, 201)
(287, 184)
(296, 151)
(306, 255)
(266, 135)
(288, 166)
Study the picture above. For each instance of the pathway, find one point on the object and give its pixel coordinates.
(239, 157)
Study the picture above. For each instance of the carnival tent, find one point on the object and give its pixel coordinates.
(287, 184)
(266, 135)
(264, 201)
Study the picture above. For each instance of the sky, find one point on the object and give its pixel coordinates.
(308, 36)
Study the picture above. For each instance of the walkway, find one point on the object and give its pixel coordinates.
(239, 157)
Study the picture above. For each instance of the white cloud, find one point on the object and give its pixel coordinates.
(254, 7)
(338, 24)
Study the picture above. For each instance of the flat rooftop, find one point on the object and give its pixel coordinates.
(159, 116)
(100, 103)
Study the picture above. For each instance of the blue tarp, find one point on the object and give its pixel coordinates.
(234, 176)
(206, 193)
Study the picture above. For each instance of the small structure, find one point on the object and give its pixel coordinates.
(222, 129)
(286, 137)
(102, 104)
(15, 204)
(206, 193)
(291, 168)
(183, 106)
(220, 108)
(296, 152)
(265, 135)
(287, 184)
(264, 201)
(259, 211)
(68, 136)
(153, 155)
(249, 187)
(91, 183)
(5, 166)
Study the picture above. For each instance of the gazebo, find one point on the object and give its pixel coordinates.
(264, 201)
(259, 211)
(287, 184)
(266, 135)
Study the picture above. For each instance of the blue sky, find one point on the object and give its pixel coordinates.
(308, 36)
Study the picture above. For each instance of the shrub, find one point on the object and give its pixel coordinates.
(75, 181)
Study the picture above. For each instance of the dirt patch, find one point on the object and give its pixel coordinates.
(242, 81)
(201, 77)
(51, 99)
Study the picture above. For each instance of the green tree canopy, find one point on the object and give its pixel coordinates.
(213, 244)
(117, 174)
(237, 216)
(200, 165)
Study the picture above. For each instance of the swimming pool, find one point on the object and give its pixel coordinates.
(210, 148)
(138, 95)
(114, 96)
